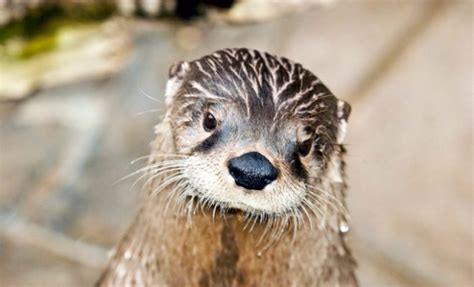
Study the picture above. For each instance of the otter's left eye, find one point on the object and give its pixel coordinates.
(305, 147)
(209, 122)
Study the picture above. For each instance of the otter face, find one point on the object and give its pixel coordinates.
(257, 132)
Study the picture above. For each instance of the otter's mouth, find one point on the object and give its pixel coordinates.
(214, 206)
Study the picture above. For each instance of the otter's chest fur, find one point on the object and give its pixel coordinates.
(161, 249)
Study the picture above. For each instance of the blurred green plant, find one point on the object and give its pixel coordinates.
(37, 31)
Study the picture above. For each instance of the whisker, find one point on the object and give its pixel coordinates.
(320, 199)
(303, 207)
(148, 96)
(154, 176)
(157, 156)
(169, 180)
(155, 173)
(149, 168)
(317, 206)
(178, 192)
(147, 112)
(330, 196)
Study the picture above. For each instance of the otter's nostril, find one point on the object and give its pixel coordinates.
(252, 170)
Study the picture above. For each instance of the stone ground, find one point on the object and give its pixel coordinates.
(406, 69)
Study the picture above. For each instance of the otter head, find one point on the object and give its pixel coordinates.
(254, 132)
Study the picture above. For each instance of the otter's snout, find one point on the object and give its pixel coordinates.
(252, 170)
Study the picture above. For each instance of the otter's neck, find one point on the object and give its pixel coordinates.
(165, 249)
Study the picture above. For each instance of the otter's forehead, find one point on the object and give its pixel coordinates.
(264, 87)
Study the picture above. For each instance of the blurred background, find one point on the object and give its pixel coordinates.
(82, 83)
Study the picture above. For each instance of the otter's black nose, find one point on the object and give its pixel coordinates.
(252, 170)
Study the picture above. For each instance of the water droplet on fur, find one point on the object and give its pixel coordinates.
(121, 271)
(322, 225)
(343, 227)
(259, 254)
(127, 254)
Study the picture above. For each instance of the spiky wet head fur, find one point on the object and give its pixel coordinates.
(260, 103)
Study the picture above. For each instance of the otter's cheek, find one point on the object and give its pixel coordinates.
(186, 139)
(206, 178)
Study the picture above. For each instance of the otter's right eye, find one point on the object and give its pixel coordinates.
(305, 147)
(209, 122)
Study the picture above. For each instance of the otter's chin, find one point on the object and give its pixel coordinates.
(216, 206)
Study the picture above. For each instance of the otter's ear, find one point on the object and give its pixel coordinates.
(177, 72)
(343, 112)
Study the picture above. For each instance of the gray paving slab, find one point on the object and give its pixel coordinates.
(410, 161)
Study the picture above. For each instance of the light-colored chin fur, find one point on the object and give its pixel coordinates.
(208, 177)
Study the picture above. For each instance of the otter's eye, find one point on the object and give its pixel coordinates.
(209, 122)
(305, 147)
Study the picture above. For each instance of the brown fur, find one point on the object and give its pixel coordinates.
(166, 249)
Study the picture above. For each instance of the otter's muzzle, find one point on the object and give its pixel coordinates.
(252, 170)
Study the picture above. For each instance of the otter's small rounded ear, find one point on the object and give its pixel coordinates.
(343, 112)
(176, 72)
(178, 69)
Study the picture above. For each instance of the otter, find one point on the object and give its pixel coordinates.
(245, 181)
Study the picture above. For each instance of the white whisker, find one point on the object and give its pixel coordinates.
(155, 155)
(147, 112)
(148, 168)
(148, 96)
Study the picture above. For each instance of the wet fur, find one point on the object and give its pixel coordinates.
(179, 239)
